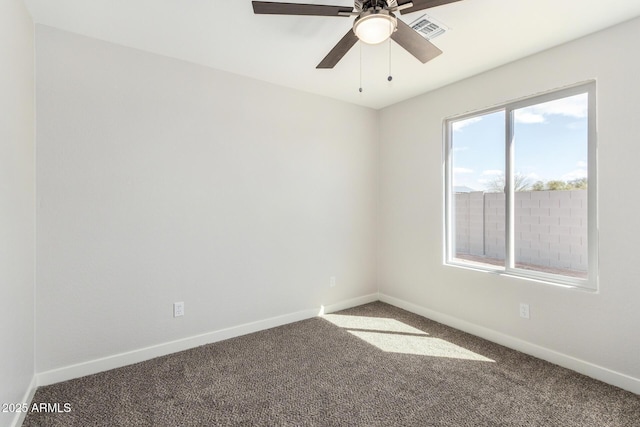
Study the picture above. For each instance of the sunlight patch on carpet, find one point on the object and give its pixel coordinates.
(372, 324)
(423, 346)
(394, 336)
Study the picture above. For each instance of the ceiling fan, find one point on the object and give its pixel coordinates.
(375, 22)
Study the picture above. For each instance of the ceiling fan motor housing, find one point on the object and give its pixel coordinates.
(375, 25)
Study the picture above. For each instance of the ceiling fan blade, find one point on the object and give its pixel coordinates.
(271, 8)
(423, 4)
(414, 43)
(339, 50)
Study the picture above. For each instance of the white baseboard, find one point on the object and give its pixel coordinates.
(140, 355)
(354, 302)
(586, 368)
(118, 360)
(19, 417)
(147, 353)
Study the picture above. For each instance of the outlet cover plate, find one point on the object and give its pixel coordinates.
(524, 310)
(178, 309)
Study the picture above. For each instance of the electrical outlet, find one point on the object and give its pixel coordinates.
(332, 281)
(524, 310)
(178, 309)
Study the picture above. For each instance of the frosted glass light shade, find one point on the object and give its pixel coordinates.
(374, 28)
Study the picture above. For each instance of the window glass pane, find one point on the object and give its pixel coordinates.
(550, 184)
(477, 200)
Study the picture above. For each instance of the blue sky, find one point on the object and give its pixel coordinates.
(550, 144)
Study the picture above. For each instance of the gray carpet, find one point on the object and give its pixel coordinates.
(334, 372)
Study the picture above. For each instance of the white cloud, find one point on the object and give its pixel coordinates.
(579, 172)
(458, 126)
(533, 176)
(492, 172)
(573, 106)
(528, 117)
(574, 174)
(462, 170)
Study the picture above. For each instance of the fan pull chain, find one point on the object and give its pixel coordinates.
(390, 77)
(360, 46)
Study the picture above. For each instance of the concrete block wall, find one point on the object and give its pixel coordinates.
(550, 227)
(462, 230)
(494, 225)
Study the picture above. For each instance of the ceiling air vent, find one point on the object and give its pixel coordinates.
(428, 27)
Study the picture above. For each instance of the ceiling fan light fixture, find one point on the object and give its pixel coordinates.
(375, 26)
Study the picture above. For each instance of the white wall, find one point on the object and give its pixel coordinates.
(598, 328)
(162, 181)
(17, 203)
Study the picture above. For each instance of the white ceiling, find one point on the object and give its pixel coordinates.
(285, 50)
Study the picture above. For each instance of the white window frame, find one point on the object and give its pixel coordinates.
(591, 283)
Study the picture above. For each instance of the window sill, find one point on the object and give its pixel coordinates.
(582, 285)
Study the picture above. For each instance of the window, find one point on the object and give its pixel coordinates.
(521, 188)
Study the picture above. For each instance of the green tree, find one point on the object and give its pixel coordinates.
(538, 186)
(578, 184)
(557, 185)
